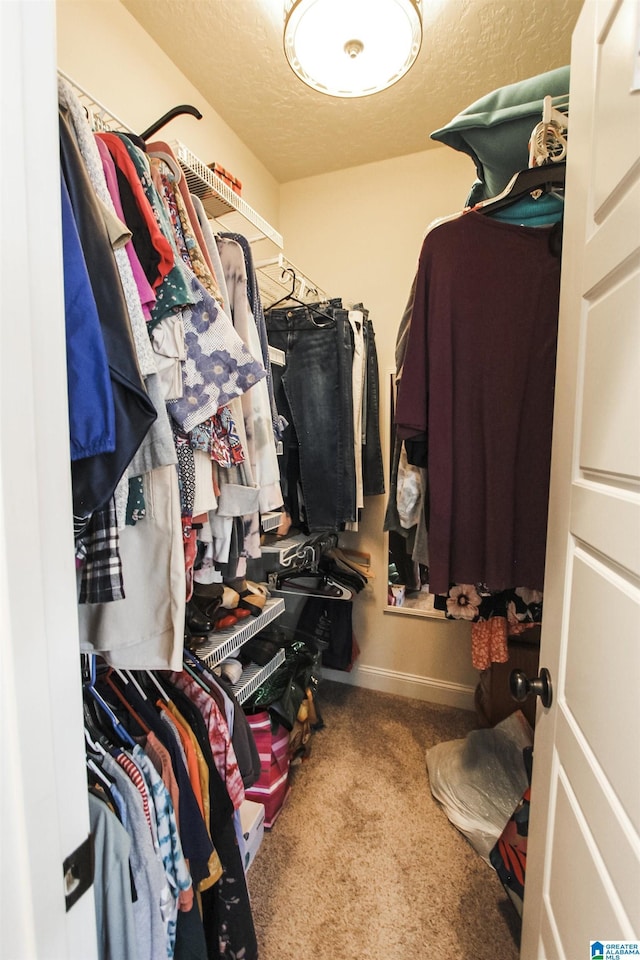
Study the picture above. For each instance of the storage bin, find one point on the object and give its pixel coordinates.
(272, 786)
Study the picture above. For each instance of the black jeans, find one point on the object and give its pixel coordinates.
(313, 391)
(372, 468)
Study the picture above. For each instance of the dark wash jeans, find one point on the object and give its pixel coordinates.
(313, 392)
(372, 467)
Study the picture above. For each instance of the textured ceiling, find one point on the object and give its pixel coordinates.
(231, 50)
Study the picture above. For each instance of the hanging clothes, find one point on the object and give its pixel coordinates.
(256, 405)
(328, 393)
(115, 925)
(191, 844)
(314, 392)
(477, 387)
(227, 914)
(255, 305)
(95, 478)
(358, 376)
(156, 294)
(372, 466)
(91, 407)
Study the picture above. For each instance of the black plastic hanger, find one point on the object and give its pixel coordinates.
(291, 297)
(170, 115)
(307, 584)
(98, 740)
(308, 580)
(533, 180)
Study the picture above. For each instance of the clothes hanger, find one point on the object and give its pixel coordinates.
(308, 581)
(194, 661)
(171, 162)
(342, 573)
(306, 578)
(127, 677)
(118, 728)
(316, 585)
(154, 680)
(122, 697)
(97, 738)
(291, 296)
(97, 772)
(170, 115)
(350, 559)
(330, 561)
(93, 737)
(196, 668)
(191, 666)
(193, 673)
(548, 141)
(535, 181)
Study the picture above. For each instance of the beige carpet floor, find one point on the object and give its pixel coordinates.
(362, 862)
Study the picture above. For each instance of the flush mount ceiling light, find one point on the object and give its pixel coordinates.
(352, 48)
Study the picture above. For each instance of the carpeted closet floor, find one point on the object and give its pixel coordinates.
(362, 862)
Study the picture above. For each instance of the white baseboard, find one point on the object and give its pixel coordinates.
(406, 685)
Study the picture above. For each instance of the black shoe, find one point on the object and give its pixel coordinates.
(196, 620)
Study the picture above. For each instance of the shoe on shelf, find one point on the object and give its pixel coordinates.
(253, 602)
(197, 621)
(230, 598)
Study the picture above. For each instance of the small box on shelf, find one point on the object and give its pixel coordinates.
(229, 179)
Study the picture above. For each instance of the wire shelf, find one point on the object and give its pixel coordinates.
(270, 521)
(222, 203)
(100, 119)
(224, 643)
(276, 276)
(286, 549)
(254, 676)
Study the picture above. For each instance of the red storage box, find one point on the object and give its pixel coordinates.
(229, 179)
(272, 786)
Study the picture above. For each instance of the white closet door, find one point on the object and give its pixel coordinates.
(44, 798)
(583, 866)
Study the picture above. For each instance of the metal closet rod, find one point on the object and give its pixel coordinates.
(183, 108)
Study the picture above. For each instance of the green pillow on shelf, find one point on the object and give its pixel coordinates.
(495, 130)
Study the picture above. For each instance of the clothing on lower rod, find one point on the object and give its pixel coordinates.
(314, 393)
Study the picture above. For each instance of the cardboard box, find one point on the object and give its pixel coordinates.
(229, 179)
(252, 823)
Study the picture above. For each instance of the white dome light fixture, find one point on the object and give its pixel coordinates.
(352, 48)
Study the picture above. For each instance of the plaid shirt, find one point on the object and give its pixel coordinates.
(102, 579)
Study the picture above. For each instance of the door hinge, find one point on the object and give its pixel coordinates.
(77, 871)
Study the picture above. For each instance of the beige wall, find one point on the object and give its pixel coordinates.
(357, 233)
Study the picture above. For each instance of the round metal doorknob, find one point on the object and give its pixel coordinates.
(522, 687)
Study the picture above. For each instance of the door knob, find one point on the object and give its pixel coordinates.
(522, 687)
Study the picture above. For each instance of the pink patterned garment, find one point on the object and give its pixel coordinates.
(489, 640)
(224, 755)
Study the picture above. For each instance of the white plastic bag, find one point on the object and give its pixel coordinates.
(480, 780)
